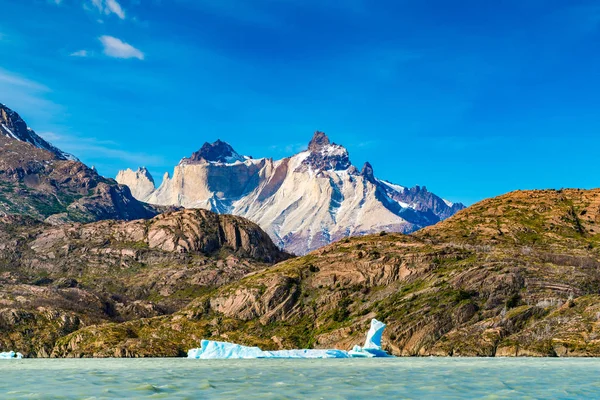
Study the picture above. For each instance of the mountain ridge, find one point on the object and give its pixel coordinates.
(320, 182)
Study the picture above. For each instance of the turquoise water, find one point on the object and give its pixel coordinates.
(416, 378)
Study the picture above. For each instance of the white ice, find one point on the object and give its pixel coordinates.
(10, 355)
(210, 350)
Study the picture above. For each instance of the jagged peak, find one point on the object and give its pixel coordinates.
(325, 155)
(367, 172)
(143, 171)
(318, 140)
(218, 151)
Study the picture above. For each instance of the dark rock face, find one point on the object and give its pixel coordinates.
(319, 140)
(218, 151)
(325, 156)
(367, 172)
(12, 126)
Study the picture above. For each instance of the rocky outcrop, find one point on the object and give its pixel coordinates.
(188, 231)
(320, 183)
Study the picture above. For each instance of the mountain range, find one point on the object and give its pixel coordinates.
(303, 202)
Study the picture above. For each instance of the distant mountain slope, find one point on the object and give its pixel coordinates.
(516, 275)
(41, 181)
(12, 126)
(304, 202)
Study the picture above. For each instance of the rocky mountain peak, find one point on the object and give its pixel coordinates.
(219, 152)
(319, 140)
(143, 171)
(325, 155)
(140, 182)
(367, 172)
(12, 126)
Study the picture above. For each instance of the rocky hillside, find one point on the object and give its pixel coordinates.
(517, 275)
(320, 182)
(40, 181)
(57, 280)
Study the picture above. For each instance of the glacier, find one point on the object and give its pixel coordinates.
(213, 350)
(10, 355)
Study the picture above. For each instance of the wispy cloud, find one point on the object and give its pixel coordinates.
(12, 79)
(21, 93)
(109, 7)
(114, 47)
(80, 53)
(93, 149)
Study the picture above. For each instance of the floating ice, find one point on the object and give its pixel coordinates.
(210, 350)
(372, 347)
(10, 355)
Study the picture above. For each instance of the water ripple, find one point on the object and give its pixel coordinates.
(294, 379)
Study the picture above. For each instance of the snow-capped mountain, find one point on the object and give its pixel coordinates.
(304, 202)
(13, 126)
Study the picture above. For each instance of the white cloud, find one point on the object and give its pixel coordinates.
(114, 47)
(115, 8)
(80, 53)
(109, 7)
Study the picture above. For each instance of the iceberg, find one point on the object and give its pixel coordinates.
(213, 350)
(11, 355)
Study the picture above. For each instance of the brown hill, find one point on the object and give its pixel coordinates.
(55, 280)
(514, 275)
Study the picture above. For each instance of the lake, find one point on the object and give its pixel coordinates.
(492, 378)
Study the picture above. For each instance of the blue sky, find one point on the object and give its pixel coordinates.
(469, 98)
